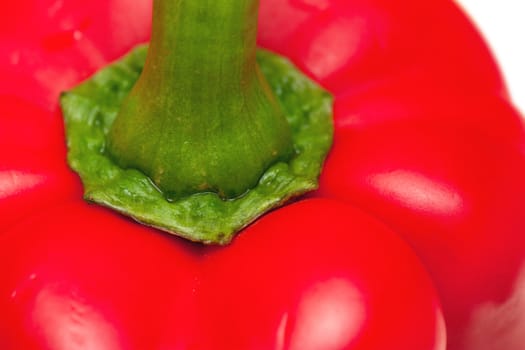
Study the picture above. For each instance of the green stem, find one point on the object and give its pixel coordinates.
(201, 117)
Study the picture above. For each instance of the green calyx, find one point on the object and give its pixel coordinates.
(205, 134)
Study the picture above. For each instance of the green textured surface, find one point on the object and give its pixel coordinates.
(90, 109)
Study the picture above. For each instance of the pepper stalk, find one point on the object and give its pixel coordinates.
(202, 117)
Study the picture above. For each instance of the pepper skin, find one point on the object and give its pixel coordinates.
(426, 142)
(112, 284)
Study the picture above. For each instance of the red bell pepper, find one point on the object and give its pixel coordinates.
(426, 142)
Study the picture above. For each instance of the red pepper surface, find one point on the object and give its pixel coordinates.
(426, 141)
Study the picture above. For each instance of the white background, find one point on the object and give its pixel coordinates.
(502, 22)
